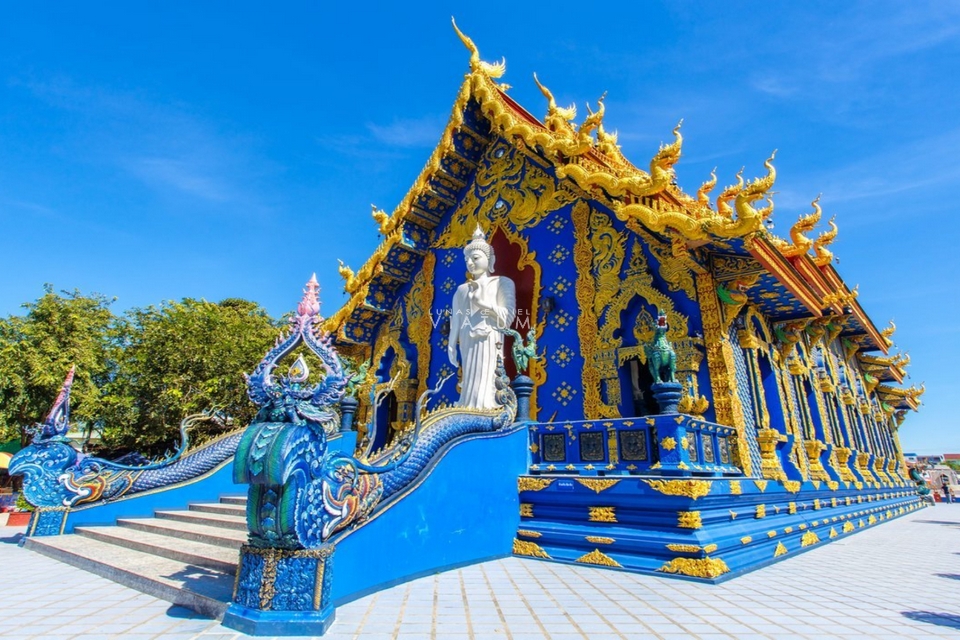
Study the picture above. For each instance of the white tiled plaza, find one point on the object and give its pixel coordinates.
(900, 579)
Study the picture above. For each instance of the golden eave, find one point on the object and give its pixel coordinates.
(778, 265)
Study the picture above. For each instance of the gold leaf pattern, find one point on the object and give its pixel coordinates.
(598, 557)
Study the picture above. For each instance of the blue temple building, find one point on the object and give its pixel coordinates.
(690, 394)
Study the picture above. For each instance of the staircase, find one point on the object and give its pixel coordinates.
(186, 557)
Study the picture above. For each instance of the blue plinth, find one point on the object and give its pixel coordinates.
(254, 622)
(523, 387)
(667, 395)
(283, 592)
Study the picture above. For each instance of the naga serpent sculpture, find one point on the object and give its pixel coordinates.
(302, 492)
(56, 474)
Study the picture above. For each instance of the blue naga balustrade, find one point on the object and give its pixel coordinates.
(668, 444)
(306, 500)
(69, 488)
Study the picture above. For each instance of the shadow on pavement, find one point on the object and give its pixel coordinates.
(943, 619)
(948, 523)
(15, 538)
(952, 576)
(176, 611)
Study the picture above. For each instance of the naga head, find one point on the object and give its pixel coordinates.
(558, 118)
(476, 64)
(668, 154)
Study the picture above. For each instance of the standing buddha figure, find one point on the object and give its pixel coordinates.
(481, 305)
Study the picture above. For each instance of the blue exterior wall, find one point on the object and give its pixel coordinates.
(465, 510)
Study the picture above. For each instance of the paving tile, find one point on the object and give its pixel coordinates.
(888, 592)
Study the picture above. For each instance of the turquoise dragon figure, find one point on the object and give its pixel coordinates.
(524, 351)
(302, 492)
(661, 358)
(917, 477)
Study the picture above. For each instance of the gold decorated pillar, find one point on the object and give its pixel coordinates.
(720, 364)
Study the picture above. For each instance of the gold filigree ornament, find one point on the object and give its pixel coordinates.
(668, 443)
(531, 549)
(601, 514)
(780, 550)
(599, 558)
(809, 538)
(597, 484)
(696, 567)
(526, 483)
(689, 520)
(686, 488)
(792, 486)
(599, 539)
(527, 533)
(692, 548)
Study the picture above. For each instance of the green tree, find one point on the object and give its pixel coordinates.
(181, 358)
(37, 349)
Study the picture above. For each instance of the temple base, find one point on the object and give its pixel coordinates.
(706, 529)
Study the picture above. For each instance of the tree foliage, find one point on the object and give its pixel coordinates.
(182, 358)
(138, 375)
(37, 349)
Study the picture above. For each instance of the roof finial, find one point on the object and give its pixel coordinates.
(888, 333)
(728, 194)
(823, 255)
(703, 193)
(310, 304)
(805, 224)
(557, 118)
(476, 64)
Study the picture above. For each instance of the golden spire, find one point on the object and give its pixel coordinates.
(703, 193)
(805, 224)
(823, 255)
(349, 278)
(476, 64)
(888, 333)
(557, 117)
(728, 194)
(669, 154)
(755, 190)
(759, 186)
(594, 119)
(383, 219)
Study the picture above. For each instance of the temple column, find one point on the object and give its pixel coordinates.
(726, 402)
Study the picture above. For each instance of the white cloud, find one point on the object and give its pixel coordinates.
(419, 132)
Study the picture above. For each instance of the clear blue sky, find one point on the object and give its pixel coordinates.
(229, 149)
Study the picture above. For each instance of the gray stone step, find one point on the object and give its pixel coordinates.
(219, 507)
(205, 533)
(203, 589)
(233, 500)
(209, 519)
(166, 546)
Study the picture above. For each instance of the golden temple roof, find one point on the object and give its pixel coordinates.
(589, 157)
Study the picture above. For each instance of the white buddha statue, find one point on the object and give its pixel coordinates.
(482, 303)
